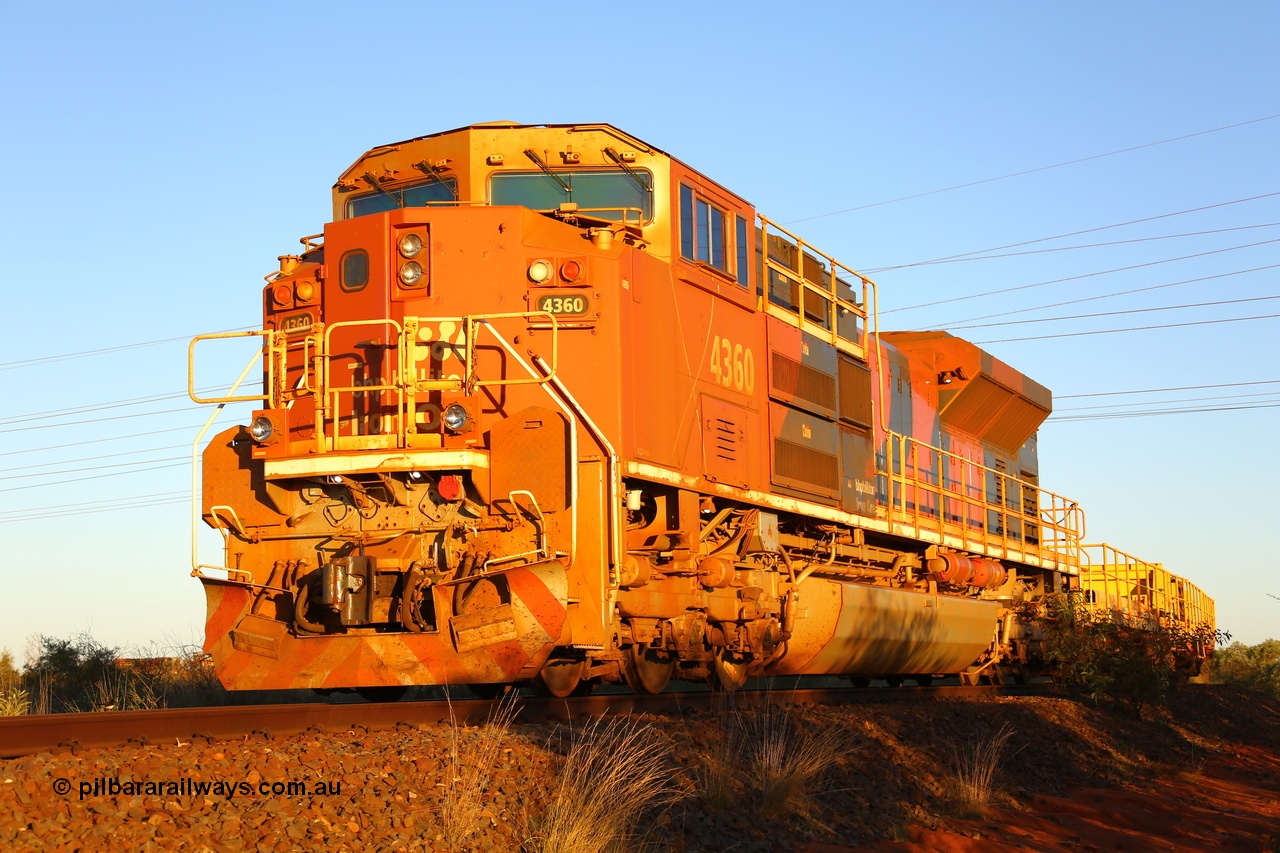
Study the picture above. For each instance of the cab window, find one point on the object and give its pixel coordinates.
(617, 196)
(418, 195)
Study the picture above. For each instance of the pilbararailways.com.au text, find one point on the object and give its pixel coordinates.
(188, 787)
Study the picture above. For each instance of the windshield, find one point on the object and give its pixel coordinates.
(606, 194)
(418, 195)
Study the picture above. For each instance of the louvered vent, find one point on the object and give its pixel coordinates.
(855, 392)
(797, 462)
(804, 382)
(723, 437)
(993, 413)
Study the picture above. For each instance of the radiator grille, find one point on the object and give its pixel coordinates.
(792, 378)
(797, 462)
(855, 392)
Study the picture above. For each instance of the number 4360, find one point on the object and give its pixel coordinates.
(733, 365)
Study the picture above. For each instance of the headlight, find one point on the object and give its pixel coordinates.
(540, 271)
(411, 272)
(410, 245)
(455, 417)
(261, 428)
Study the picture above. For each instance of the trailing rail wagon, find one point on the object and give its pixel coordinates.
(544, 404)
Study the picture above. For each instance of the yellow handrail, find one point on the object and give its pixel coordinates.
(927, 495)
(830, 271)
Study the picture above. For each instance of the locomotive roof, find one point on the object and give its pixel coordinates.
(515, 125)
(512, 125)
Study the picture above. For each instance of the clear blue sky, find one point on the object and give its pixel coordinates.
(160, 156)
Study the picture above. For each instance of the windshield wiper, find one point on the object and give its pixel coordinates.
(631, 173)
(533, 155)
(434, 173)
(369, 179)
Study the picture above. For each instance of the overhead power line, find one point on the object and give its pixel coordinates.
(93, 477)
(98, 407)
(991, 257)
(1235, 397)
(47, 359)
(1035, 170)
(1162, 390)
(91, 458)
(77, 509)
(1157, 412)
(1078, 277)
(1072, 233)
(59, 446)
(1131, 329)
(1116, 293)
(93, 468)
(1115, 313)
(103, 420)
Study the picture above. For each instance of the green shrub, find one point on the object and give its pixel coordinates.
(1110, 657)
(1251, 667)
(81, 674)
(69, 672)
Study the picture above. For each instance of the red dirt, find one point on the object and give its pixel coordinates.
(1231, 803)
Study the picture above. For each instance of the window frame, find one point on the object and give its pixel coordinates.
(696, 236)
(449, 181)
(647, 217)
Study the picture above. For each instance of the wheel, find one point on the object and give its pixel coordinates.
(561, 678)
(382, 694)
(924, 680)
(727, 675)
(893, 680)
(859, 681)
(645, 672)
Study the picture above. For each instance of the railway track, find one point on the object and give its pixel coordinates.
(36, 733)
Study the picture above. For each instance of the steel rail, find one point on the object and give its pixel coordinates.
(35, 733)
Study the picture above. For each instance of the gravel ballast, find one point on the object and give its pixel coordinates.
(891, 772)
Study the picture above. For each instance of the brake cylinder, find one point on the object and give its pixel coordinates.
(961, 570)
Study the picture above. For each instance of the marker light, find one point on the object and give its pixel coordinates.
(455, 417)
(571, 270)
(450, 487)
(410, 245)
(411, 272)
(305, 290)
(540, 271)
(261, 428)
(281, 293)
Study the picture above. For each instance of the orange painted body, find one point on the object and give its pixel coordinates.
(575, 412)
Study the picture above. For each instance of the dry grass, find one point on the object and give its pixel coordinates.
(615, 773)
(782, 762)
(14, 701)
(977, 764)
(473, 755)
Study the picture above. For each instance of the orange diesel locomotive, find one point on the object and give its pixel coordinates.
(544, 404)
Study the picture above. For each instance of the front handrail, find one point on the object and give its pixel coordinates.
(271, 342)
(461, 335)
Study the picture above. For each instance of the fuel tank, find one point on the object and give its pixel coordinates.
(854, 629)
